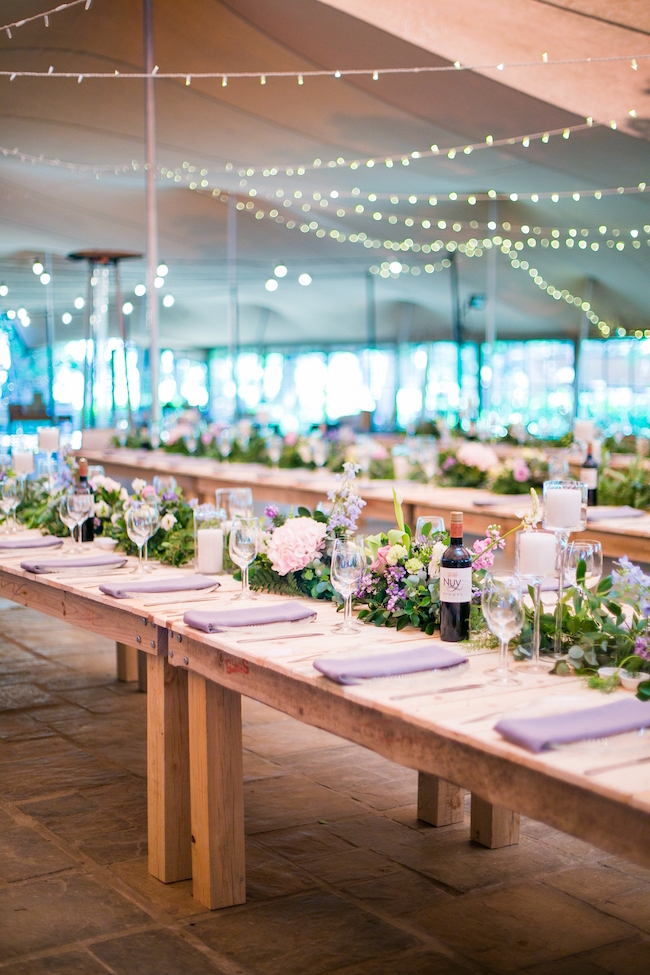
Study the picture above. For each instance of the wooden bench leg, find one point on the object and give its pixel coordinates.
(493, 826)
(168, 778)
(440, 803)
(127, 662)
(142, 671)
(217, 794)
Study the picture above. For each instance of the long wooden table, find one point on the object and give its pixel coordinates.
(443, 726)
(200, 477)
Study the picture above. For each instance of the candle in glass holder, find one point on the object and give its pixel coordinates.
(48, 439)
(209, 543)
(22, 462)
(537, 554)
(584, 430)
(563, 507)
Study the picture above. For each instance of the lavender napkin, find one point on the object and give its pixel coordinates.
(601, 512)
(536, 734)
(350, 670)
(82, 562)
(47, 541)
(123, 590)
(497, 499)
(215, 622)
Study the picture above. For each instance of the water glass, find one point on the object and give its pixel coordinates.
(240, 504)
(139, 522)
(80, 508)
(12, 492)
(243, 545)
(503, 609)
(589, 551)
(155, 525)
(422, 533)
(69, 522)
(274, 448)
(346, 573)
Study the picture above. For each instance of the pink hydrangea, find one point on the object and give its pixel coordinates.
(477, 455)
(520, 470)
(294, 544)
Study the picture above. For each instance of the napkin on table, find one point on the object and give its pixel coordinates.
(536, 734)
(122, 590)
(82, 562)
(46, 541)
(601, 512)
(350, 670)
(215, 621)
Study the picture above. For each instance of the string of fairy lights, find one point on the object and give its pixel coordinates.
(44, 16)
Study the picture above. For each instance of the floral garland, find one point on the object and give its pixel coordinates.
(468, 466)
(517, 475)
(173, 542)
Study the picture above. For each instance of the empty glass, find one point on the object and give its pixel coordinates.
(243, 545)
(155, 525)
(346, 573)
(274, 448)
(503, 609)
(589, 551)
(12, 492)
(240, 503)
(69, 522)
(80, 507)
(435, 525)
(139, 522)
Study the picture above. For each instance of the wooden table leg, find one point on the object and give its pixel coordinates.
(493, 826)
(168, 778)
(217, 793)
(127, 662)
(142, 671)
(440, 803)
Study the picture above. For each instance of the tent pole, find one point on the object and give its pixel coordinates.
(371, 311)
(122, 323)
(152, 212)
(87, 314)
(491, 308)
(49, 329)
(233, 310)
(457, 325)
(583, 334)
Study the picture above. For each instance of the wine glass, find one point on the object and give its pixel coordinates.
(240, 503)
(80, 507)
(243, 545)
(139, 521)
(155, 525)
(503, 609)
(589, 551)
(10, 499)
(565, 511)
(274, 448)
(346, 573)
(69, 522)
(435, 525)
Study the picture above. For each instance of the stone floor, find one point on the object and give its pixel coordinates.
(342, 877)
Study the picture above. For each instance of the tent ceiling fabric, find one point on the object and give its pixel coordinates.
(283, 124)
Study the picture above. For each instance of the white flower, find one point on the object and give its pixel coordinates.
(112, 486)
(137, 485)
(436, 555)
(115, 517)
(168, 521)
(98, 481)
(477, 455)
(395, 553)
(101, 509)
(124, 494)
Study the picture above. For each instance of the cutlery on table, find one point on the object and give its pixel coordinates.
(612, 768)
(437, 690)
(280, 638)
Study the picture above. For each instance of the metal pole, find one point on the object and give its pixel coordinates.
(485, 393)
(122, 324)
(233, 305)
(457, 325)
(152, 212)
(583, 334)
(88, 313)
(371, 311)
(49, 332)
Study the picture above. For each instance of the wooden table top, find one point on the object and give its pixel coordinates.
(435, 723)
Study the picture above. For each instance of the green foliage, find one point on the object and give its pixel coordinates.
(631, 486)
(290, 458)
(620, 445)
(503, 480)
(457, 474)
(381, 469)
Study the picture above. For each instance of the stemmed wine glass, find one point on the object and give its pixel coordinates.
(503, 609)
(243, 545)
(240, 504)
(139, 522)
(565, 511)
(80, 507)
(435, 525)
(589, 551)
(346, 573)
(155, 525)
(69, 522)
(10, 499)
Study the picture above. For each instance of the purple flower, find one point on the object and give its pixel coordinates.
(641, 647)
(170, 496)
(448, 463)
(193, 502)
(271, 512)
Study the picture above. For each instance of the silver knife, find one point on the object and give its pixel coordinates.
(438, 690)
(612, 768)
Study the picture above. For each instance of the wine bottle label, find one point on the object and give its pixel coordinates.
(589, 476)
(455, 585)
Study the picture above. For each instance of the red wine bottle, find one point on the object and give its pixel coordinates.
(83, 487)
(455, 585)
(589, 476)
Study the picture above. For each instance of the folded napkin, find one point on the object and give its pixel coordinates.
(82, 562)
(350, 670)
(600, 512)
(215, 622)
(123, 590)
(47, 541)
(536, 734)
(497, 499)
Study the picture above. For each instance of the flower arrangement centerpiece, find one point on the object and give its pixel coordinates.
(630, 486)
(518, 474)
(295, 558)
(173, 541)
(467, 466)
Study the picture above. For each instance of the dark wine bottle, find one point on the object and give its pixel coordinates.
(455, 585)
(589, 476)
(83, 487)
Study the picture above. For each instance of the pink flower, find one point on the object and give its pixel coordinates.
(520, 470)
(486, 560)
(380, 562)
(148, 493)
(206, 438)
(294, 544)
(477, 455)
(291, 439)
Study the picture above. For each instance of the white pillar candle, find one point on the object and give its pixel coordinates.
(563, 507)
(22, 461)
(537, 554)
(584, 430)
(209, 542)
(48, 439)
